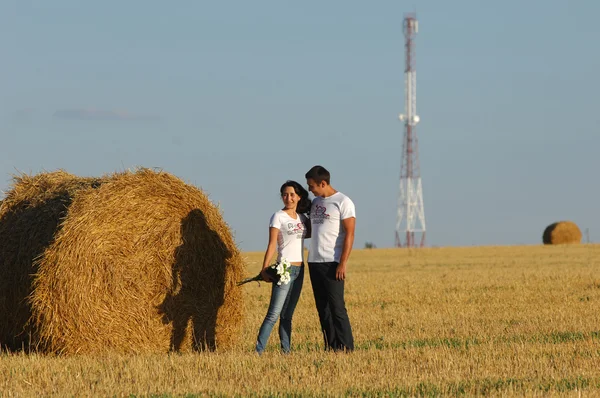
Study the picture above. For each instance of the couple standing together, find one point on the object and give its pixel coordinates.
(329, 222)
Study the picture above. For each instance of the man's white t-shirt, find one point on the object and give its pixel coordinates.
(290, 239)
(326, 215)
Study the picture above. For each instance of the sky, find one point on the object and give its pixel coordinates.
(236, 97)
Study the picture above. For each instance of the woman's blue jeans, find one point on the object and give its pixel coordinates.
(283, 303)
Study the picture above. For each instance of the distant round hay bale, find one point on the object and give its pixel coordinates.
(141, 262)
(30, 216)
(562, 232)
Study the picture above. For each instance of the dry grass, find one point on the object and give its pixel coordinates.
(449, 321)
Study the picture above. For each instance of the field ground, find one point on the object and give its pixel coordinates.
(521, 320)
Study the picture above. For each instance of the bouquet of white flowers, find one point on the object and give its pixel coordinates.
(279, 272)
(283, 271)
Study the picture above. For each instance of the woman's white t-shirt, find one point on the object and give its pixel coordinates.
(290, 239)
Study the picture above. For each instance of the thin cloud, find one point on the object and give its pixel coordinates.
(23, 115)
(99, 114)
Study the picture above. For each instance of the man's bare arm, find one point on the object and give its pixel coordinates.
(349, 225)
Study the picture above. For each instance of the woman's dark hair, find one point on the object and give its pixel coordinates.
(304, 203)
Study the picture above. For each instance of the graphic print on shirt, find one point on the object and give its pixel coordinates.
(296, 229)
(320, 215)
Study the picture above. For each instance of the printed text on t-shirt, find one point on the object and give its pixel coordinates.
(319, 215)
(296, 229)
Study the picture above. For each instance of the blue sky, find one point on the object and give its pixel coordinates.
(236, 97)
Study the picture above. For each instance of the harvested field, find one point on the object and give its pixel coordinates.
(508, 321)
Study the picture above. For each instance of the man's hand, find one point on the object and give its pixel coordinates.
(340, 272)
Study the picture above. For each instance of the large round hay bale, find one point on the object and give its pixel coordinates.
(562, 232)
(30, 215)
(140, 263)
(144, 263)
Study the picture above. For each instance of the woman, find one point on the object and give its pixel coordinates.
(288, 228)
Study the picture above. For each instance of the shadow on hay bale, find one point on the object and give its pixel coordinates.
(197, 289)
(562, 232)
(142, 263)
(30, 215)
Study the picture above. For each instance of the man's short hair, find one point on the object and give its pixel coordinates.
(318, 174)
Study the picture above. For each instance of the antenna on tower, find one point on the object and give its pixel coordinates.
(411, 212)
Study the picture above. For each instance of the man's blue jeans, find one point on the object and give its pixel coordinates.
(283, 303)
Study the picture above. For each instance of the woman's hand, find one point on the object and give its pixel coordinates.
(265, 275)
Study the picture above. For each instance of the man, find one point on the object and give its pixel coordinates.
(333, 220)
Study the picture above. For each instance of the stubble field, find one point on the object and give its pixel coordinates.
(521, 320)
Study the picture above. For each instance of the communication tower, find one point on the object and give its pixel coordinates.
(411, 212)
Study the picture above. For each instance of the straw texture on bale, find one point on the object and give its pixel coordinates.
(562, 232)
(141, 263)
(30, 215)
